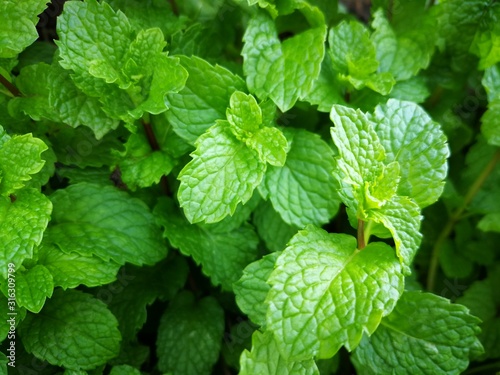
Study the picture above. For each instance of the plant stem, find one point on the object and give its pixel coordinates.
(361, 234)
(153, 142)
(9, 86)
(455, 217)
(175, 9)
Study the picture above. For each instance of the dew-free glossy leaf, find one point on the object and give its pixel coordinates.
(265, 359)
(222, 173)
(425, 334)
(102, 220)
(33, 286)
(303, 191)
(326, 293)
(74, 330)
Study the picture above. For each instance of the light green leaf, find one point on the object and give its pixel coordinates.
(491, 82)
(17, 25)
(303, 191)
(127, 298)
(19, 158)
(73, 107)
(223, 255)
(74, 330)
(486, 43)
(252, 288)
(93, 38)
(271, 227)
(222, 173)
(29, 214)
(91, 219)
(353, 55)
(325, 293)
(490, 222)
(265, 359)
(270, 144)
(414, 90)
(140, 165)
(244, 114)
(491, 124)
(361, 153)
(32, 287)
(418, 144)
(203, 100)
(284, 71)
(72, 269)
(189, 336)
(404, 45)
(425, 334)
(401, 216)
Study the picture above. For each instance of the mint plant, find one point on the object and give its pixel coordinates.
(249, 187)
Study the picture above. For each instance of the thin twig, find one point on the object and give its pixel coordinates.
(175, 9)
(9, 86)
(455, 217)
(361, 234)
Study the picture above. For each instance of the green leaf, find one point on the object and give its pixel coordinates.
(71, 269)
(265, 359)
(244, 114)
(19, 158)
(404, 45)
(353, 55)
(140, 165)
(252, 288)
(203, 100)
(491, 82)
(490, 223)
(28, 214)
(32, 287)
(425, 334)
(491, 124)
(91, 219)
(410, 137)
(303, 191)
(74, 330)
(271, 227)
(486, 43)
(222, 255)
(124, 370)
(308, 315)
(284, 71)
(17, 30)
(127, 297)
(189, 336)
(401, 216)
(222, 173)
(270, 144)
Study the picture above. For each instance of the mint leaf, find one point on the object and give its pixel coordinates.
(491, 82)
(19, 158)
(486, 43)
(244, 114)
(141, 166)
(28, 214)
(410, 137)
(17, 30)
(490, 124)
(304, 294)
(252, 288)
(127, 298)
(223, 255)
(32, 287)
(425, 334)
(404, 45)
(204, 98)
(124, 370)
(189, 335)
(222, 173)
(74, 330)
(265, 359)
(353, 55)
(303, 191)
(284, 71)
(271, 227)
(91, 219)
(70, 269)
